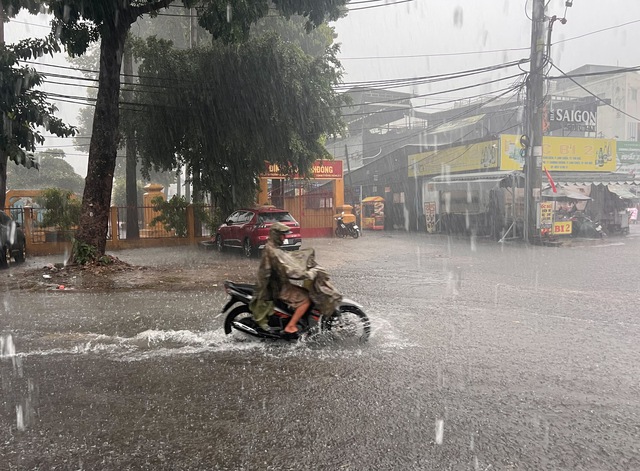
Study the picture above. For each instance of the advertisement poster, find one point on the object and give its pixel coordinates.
(430, 216)
(562, 154)
(628, 156)
(545, 215)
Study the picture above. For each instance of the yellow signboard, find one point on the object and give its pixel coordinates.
(562, 228)
(546, 213)
(563, 154)
(481, 156)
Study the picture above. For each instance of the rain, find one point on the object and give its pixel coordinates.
(457, 182)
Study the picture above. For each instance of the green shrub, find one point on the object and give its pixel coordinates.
(173, 214)
(62, 208)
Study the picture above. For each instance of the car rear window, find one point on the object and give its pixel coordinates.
(270, 218)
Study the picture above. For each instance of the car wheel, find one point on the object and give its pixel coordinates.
(247, 248)
(219, 243)
(21, 254)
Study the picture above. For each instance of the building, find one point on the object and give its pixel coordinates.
(615, 86)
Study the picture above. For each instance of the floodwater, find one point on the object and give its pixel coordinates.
(482, 356)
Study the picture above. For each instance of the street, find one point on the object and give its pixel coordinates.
(483, 356)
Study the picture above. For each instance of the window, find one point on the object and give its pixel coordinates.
(633, 93)
(245, 217)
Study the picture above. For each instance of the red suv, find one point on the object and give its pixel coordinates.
(248, 229)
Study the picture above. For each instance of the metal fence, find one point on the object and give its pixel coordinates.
(39, 234)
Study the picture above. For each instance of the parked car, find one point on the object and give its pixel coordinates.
(12, 241)
(248, 229)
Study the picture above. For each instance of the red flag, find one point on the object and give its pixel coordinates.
(553, 185)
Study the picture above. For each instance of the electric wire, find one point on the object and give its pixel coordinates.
(452, 144)
(605, 102)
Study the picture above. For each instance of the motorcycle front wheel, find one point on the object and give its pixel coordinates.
(348, 325)
(340, 233)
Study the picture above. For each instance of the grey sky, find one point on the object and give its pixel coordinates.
(438, 27)
(437, 31)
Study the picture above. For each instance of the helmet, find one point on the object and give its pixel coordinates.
(279, 228)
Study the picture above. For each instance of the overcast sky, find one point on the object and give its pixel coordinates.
(442, 36)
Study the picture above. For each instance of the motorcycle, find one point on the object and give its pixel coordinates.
(584, 226)
(348, 321)
(346, 229)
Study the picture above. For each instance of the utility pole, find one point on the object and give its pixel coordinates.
(535, 111)
(1, 23)
(191, 177)
(131, 152)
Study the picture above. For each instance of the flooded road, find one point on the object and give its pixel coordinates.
(482, 356)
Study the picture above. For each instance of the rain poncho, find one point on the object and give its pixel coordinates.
(278, 267)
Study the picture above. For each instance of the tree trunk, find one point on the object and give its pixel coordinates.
(133, 231)
(96, 199)
(197, 197)
(4, 159)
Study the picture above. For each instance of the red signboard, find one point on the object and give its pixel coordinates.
(321, 169)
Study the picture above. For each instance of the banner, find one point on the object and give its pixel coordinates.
(430, 216)
(480, 156)
(562, 154)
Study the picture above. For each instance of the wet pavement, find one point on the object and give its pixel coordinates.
(483, 356)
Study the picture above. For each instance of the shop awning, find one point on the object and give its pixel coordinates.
(622, 192)
(470, 181)
(565, 193)
(370, 199)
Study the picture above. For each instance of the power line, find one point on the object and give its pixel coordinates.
(605, 102)
(597, 31)
(379, 6)
(461, 115)
(390, 83)
(443, 54)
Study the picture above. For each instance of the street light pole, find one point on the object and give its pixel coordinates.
(535, 111)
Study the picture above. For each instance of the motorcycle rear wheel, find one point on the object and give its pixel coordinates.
(238, 313)
(348, 325)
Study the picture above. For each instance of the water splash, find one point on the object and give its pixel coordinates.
(439, 431)
(20, 418)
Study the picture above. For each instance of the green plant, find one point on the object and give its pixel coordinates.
(62, 208)
(83, 253)
(209, 216)
(173, 214)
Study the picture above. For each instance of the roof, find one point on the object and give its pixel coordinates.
(588, 178)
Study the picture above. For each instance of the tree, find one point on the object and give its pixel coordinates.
(224, 120)
(25, 110)
(81, 22)
(54, 172)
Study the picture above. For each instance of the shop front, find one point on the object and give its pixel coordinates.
(373, 213)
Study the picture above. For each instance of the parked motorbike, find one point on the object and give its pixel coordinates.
(584, 226)
(348, 322)
(346, 229)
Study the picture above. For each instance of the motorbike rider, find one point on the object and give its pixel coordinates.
(273, 283)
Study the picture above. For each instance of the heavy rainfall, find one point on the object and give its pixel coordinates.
(329, 234)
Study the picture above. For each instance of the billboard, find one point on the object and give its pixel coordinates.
(480, 156)
(571, 115)
(320, 170)
(562, 154)
(628, 156)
